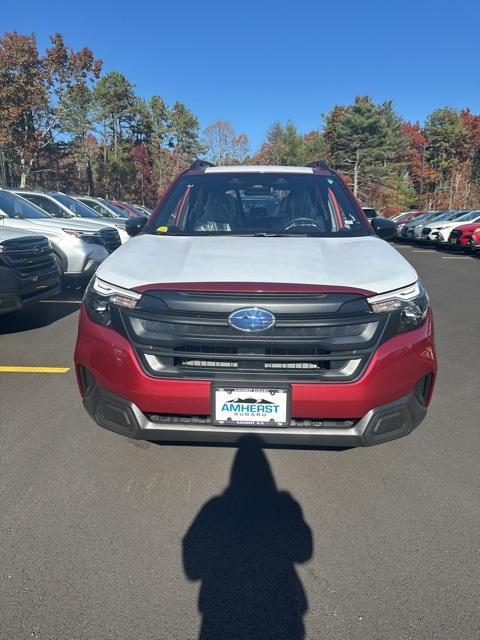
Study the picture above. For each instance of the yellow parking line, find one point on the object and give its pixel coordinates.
(34, 369)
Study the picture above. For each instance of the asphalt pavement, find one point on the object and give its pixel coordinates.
(102, 537)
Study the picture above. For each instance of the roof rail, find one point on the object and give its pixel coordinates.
(201, 164)
(318, 164)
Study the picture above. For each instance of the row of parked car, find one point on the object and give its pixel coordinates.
(452, 229)
(50, 239)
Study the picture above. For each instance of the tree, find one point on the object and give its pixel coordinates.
(184, 132)
(358, 144)
(286, 145)
(114, 101)
(23, 99)
(224, 145)
(34, 94)
(447, 151)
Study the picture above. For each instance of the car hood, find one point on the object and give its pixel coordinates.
(471, 226)
(119, 223)
(367, 263)
(59, 223)
(11, 234)
(49, 227)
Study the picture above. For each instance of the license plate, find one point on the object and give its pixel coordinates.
(251, 406)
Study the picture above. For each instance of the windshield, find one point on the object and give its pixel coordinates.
(471, 215)
(116, 209)
(99, 208)
(130, 209)
(422, 218)
(76, 207)
(17, 207)
(259, 204)
(448, 215)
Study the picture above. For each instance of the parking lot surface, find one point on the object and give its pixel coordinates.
(105, 538)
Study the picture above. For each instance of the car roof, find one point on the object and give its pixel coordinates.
(247, 168)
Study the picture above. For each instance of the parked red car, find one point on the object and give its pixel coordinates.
(129, 209)
(475, 242)
(466, 237)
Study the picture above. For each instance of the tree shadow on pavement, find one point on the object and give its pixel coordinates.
(243, 546)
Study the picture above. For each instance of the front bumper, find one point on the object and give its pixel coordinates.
(81, 258)
(16, 294)
(118, 383)
(381, 424)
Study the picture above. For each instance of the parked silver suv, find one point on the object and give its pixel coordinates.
(79, 246)
(60, 205)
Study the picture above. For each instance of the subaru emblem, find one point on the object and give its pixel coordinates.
(251, 320)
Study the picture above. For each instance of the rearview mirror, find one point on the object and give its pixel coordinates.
(133, 226)
(385, 229)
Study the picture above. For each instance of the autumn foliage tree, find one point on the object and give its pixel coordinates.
(64, 125)
(223, 144)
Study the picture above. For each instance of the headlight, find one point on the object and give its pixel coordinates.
(100, 296)
(411, 303)
(75, 232)
(90, 237)
(476, 230)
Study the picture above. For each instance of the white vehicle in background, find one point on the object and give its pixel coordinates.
(78, 245)
(440, 218)
(439, 232)
(60, 205)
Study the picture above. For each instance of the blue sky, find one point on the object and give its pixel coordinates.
(252, 63)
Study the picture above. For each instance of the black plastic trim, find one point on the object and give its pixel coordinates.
(381, 424)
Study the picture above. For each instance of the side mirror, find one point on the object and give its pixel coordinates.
(385, 229)
(133, 226)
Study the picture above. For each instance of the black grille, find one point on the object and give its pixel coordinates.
(328, 336)
(111, 239)
(455, 234)
(29, 257)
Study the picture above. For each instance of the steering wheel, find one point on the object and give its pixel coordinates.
(304, 222)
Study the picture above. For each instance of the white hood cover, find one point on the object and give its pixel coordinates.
(364, 263)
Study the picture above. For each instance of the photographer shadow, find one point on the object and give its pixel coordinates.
(243, 546)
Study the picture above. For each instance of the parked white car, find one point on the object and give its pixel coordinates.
(440, 218)
(439, 232)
